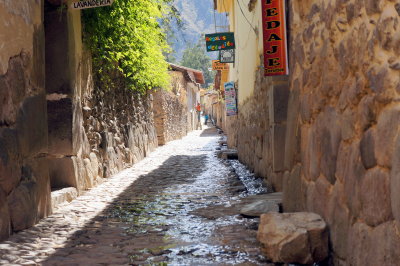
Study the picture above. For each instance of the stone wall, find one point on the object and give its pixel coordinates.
(119, 128)
(57, 127)
(170, 116)
(342, 141)
(258, 131)
(24, 176)
(94, 130)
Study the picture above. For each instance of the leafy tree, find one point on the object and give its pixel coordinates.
(127, 38)
(195, 56)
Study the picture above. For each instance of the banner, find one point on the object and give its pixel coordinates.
(230, 99)
(220, 41)
(274, 31)
(217, 65)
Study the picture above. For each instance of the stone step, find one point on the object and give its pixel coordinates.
(61, 196)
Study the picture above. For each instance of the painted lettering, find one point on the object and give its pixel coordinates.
(272, 12)
(268, 2)
(273, 24)
(274, 49)
(273, 62)
(274, 37)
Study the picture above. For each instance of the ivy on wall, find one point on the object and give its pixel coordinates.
(126, 38)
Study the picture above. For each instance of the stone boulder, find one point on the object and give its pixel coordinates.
(293, 237)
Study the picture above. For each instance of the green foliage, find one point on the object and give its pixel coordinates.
(194, 56)
(126, 39)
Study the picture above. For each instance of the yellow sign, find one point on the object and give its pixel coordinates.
(216, 65)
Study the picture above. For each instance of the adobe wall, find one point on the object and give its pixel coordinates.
(342, 142)
(24, 176)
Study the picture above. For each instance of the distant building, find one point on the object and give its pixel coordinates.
(174, 112)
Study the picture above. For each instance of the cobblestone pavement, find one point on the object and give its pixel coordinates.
(146, 215)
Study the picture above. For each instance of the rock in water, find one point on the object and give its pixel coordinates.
(258, 208)
(293, 237)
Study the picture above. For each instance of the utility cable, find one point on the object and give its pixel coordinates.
(251, 26)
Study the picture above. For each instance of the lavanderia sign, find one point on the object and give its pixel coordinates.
(91, 3)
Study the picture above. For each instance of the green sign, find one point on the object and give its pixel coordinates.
(220, 41)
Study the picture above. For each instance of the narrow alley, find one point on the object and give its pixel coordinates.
(160, 210)
(106, 157)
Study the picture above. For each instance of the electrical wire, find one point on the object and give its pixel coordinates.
(251, 26)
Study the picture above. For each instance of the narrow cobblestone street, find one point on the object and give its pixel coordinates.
(148, 214)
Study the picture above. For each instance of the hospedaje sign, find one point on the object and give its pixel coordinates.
(220, 41)
(91, 3)
(274, 37)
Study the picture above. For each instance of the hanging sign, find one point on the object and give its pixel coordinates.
(217, 65)
(91, 3)
(220, 41)
(230, 98)
(274, 31)
(227, 56)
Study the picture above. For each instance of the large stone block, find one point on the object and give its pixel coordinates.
(278, 145)
(395, 182)
(292, 129)
(10, 160)
(22, 204)
(387, 130)
(367, 149)
(5, 226)
(358, 240)
(351, 171)
(339, 221)
(17, 79)
(60, 127)
(80, 173)
(318, 196)
(374, 246)
(294, 191)
(57, 55)
(32, 126)
(40, 172)
(278, 103)
(375, 197)
(293, 237)
(80, 142)
(310, 153)
(366, 112)
(13, 86)
(385, 245)
(328, 138)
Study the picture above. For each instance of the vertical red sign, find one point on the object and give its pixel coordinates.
(274, 31)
